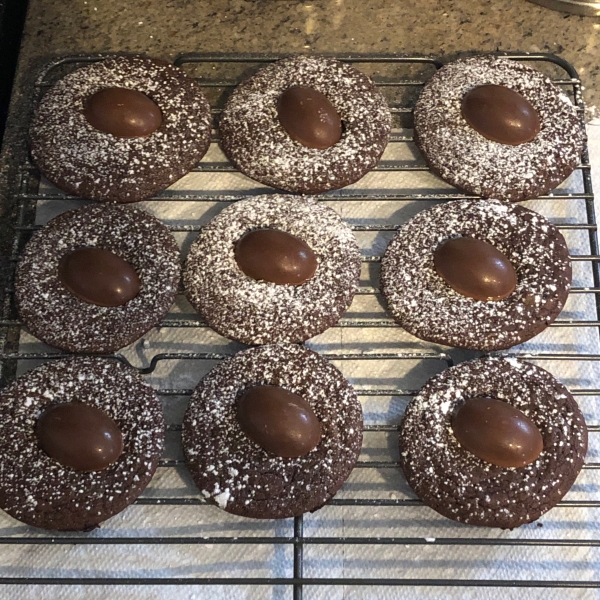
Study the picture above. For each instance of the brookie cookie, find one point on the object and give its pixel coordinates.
(305, 124)
(97, 278)
(272, 432)
(120, 130)
(478, 274)
(497, 128)
(493, 442)
(79, 441)
(273, 269)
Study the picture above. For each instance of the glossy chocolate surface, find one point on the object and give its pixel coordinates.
(497, 432)
(500, 114)
(275, 256)
(122, 112)
(79, 436)
(309, 117)
(475, 269)
(98, 276)
(278, 420)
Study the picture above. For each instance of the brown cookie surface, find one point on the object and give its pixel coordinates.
(58, 317)
(463, 487)
(260, 312)
(40, 491)
(253, 138)
(460, 155)
(234, 471)
(87, 162)
(427, 307)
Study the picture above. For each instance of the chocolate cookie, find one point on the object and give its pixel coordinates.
(97, 278)
(257, 307)
(120, 130)
(270, 134)
(421, 300)
(100, 449)
(242, 477)
(511, 144)
(461, 486)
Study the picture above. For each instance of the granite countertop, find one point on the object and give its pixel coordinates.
(441, 27)
(167, 28)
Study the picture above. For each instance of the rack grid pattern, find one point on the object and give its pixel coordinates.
(27, 193)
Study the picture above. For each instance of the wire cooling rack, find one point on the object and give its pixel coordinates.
(314, 556)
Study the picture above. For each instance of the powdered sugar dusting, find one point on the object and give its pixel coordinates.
(259, 312)
(38, 490)
(242, 477)
(466, 159)
(55, 315)
(420, 300)
(87, 162)
(463, 487)
(254, 140)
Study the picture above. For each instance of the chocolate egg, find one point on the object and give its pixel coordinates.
(98, 276)
(500, 114)
(79, 436)
(275, 256)
(475, 269)
(497, 432)
(278, 420)
(122, 112)
(309, 117)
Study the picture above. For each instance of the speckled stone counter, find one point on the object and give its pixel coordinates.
(441, 27)
(167, 28)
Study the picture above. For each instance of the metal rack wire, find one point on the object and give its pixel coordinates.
(401, 91)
